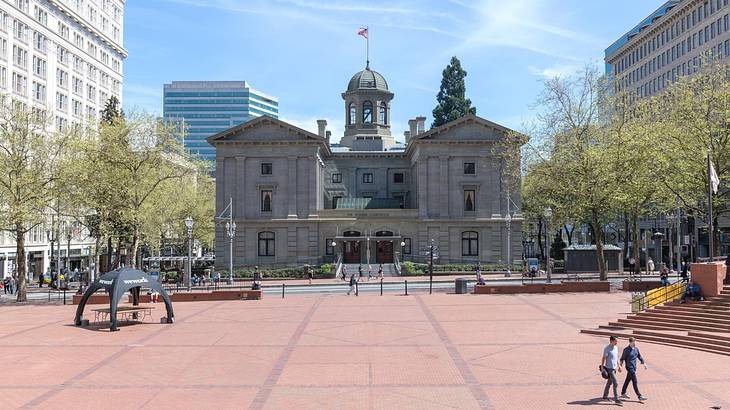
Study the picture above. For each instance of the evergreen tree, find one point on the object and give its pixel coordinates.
(452, 101)
(112, 111)
(557, 246)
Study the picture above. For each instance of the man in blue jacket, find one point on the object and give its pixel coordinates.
(629, 356)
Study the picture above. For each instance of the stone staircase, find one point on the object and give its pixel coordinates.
(388, 269)
(701, 326)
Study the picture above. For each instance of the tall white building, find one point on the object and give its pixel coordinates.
(64, 56)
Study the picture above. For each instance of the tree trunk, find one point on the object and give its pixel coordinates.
(626, 236)
(20, 262)
(598, 237)
(635, 252)
(569, 234)
(133, 249)
(109, 248)
(118, 256)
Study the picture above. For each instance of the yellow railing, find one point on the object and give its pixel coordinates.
(658, 296)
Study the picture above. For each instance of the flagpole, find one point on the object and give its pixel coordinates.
(709, 208)
(367, 47)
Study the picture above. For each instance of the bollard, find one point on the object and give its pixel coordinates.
(357, 289)
(64, 296)
(406, 287)
(49, 294)
(381, 286)
(283, 286)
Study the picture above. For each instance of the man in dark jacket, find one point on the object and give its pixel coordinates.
(629, 356)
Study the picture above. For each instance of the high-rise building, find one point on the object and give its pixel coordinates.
(204, 108)
(671, 42)
(64, 56)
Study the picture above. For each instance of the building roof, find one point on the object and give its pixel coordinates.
(367, 79)
(647, 22)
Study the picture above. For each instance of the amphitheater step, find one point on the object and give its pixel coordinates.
(683, 318)
(668, 325)
(709, 348)
(688, 313)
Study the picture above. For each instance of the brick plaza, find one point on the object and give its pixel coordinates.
(332, 351)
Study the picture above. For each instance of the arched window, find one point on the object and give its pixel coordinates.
(267, 243)
(383, 114)
(352, 114)
(367, 112)
(469, 243)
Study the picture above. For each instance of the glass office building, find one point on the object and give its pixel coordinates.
(204, 108)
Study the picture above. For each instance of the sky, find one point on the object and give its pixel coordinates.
(305, 51)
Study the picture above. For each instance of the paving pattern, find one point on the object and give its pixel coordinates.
(336, 352)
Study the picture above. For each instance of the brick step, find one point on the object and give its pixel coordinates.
(680, 341)
(687, 337)
(710, 336)
(649, 339)
(706, 302)
(678, 318)
(701, 306)
(665, 325)
(688, 312)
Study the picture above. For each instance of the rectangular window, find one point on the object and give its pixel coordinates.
(328, 248)
(470, 244)
(335, 201)
(266, 198)
(398, 178)
(336, 178)
(470, 200)
(266, 168)
(470, 168)
(367, 178)
(266, 244)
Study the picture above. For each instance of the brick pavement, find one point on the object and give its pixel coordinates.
(333, 351)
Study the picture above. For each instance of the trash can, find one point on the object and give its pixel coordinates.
(461, 285)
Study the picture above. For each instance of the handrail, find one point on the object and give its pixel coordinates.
(658, 296)
(338, 266)
(396, 263)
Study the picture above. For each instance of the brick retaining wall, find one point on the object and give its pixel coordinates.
(543, 288)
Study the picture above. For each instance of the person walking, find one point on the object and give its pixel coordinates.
(610, 364)
(478, 270)
(13, 285)
(629, 356)
(344, 273)
(359, 272)
(650, 266)
(370, 272)
(310, 274)
(380, 271)
(6, 284)
(353, 283)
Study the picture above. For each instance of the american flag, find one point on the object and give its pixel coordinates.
(363, 32)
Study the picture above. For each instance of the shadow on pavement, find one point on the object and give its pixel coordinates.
(592, 402)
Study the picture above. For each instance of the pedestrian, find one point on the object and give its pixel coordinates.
(380, 271)
(664, 275)
(629, 356)
(685, 267)
(353, 282)
(344, 272)
(610, 364)
(13, 285)
(4, 285)
(478, 270)
(650, 266)
(310, 273)
(359, 272)
(632, 265)
(370, 271)
(40, 280)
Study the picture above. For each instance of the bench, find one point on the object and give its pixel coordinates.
(126, 313)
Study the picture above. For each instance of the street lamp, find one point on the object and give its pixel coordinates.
(508, 220)
(231, 231)
(548, 268)
(188, 271)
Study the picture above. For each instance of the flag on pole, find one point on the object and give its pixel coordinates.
(363, 32)
(714, 179)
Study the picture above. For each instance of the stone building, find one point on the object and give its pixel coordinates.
(295, 193)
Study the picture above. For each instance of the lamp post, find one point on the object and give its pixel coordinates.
(508, 220)
(51, 236)
(188, 270)
(548, 213)
(231, 231)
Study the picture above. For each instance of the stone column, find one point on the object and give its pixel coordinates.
(291, 189)
(444, 177)
(422, 169)
(239, 208)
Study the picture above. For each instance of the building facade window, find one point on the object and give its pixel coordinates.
(266, 168)
(266, 199)
(367, 112)
(398, 178)
(328, 248)
(367, 178)
(383, 113)
(335, 200)
(267, 243)
(352, 114)
(407, 246)
(470, 168)
(470, 200)
(337, 178)
(469, 243)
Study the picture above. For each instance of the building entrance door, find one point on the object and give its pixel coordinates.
(384, 253)
(352, 252)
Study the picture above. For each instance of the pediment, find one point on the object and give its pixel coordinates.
(263, 129)
(467, 128)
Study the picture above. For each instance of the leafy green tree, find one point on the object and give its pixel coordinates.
(112, 111)
(31, 157)
(452, 101)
